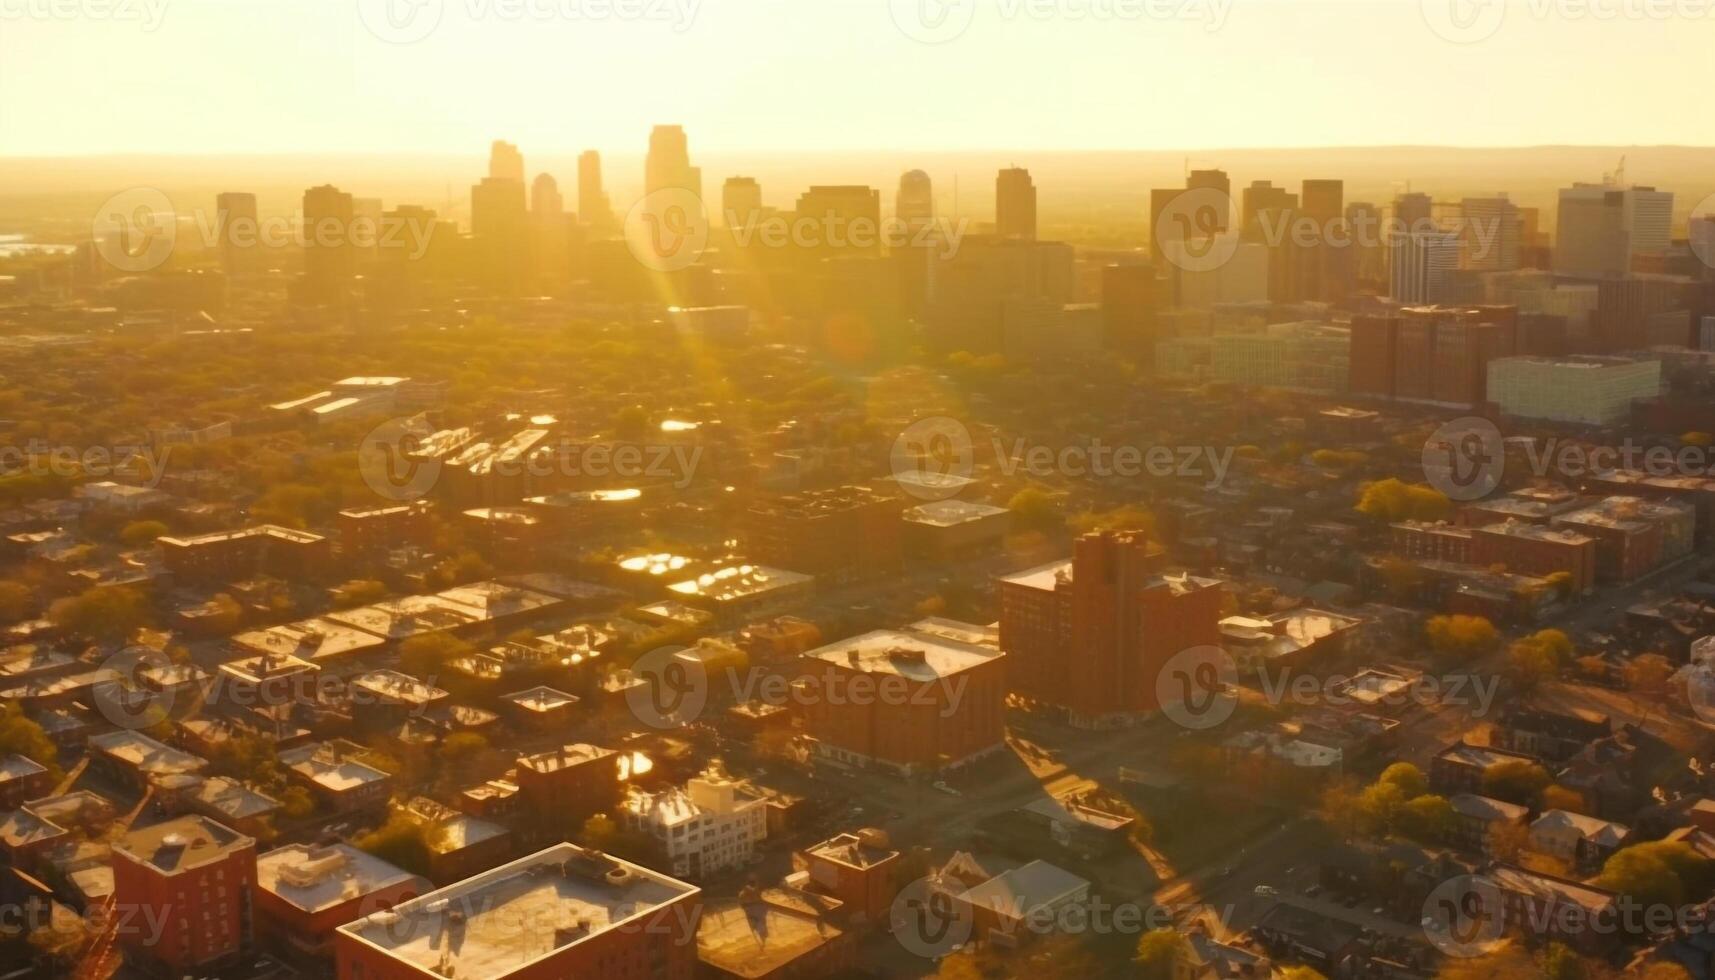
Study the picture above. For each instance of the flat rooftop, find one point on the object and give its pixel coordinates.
(757, 939)
(181, 843)
(952, 513)
(311, 639)
(739, 582)
(496, 923)
(915, 656)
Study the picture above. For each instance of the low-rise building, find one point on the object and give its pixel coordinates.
(304, 892)
(191, 878)
(713, 824)
(562, 912)
(906, 702)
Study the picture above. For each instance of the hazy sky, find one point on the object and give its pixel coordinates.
(174, 76)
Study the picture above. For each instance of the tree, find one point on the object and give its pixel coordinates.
(1380, 804)
(1505, 840)
(1462, 638)
(1394, 500)
(1516, 781)
(1428, 819)
(428, 653)
(1300, 973)
(17, 600)
(137, 534)
(21, 736)
(1658, 872)
(1407, 777)
(225, 614)
(297, 803)
(1663, 970)
(1529, 665)
(1648, 673)
(1034, 509)
(103, 613)
(1558, 797)
(1158, 954)
(403, 842)
(359, 592)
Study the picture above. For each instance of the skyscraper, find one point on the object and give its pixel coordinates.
(669, 163)
(237, 230)
(741, 201)
(916, 201)
(505, 162)
(1490, 229)
(1015, 204)
(1413, 211)
(1602, 226)
(1369, 251)
(330, 259)
(500, 231)
(1260, 205)
(1423, 263)
(1322, 270)
(545, 198)
(1214, 180)
(849, 214)
(594, 209)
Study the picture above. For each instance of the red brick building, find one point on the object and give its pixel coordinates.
(191, 880)
(1529, 549)
(837, 534)
(569, 783)
(858, 869)
(226, 556)
(304, 893)
(903, 701)
(371, 532)
(563, 912)
(1092, 635)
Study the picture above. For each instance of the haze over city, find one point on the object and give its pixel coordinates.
(868, 489)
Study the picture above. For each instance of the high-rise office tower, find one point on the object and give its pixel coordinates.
(1414, 211)
(741, 201)
(1322, 270)
(916, 201)
(1132, 295)
(849, 214)
(1323, 200)
(1601, 227)
(500, 231)
(330, 259)
(237, 231)
(594, 208)
(1015, 204)
(1261, 204)
(1490, 229)
(505, 162)
(669, 163)
(1423, 265)
(1364, 223)
(1214, 180)
(545, 198)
